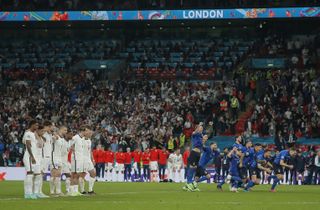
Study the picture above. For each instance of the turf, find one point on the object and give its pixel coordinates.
(152, 196)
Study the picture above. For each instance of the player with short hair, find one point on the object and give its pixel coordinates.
(77, 160)
(234, 155)
(66, 166)
(250, 163)
(198, 139)
(209, 154)
(31, 160)
(279, 163)
(47, 149)
(109, 161)
(88, 166)
(58, 142)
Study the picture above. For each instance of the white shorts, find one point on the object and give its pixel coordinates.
(153, 165)
(109, 166)
(77, 166)
(35, 168)
(45, 164)
(119, 167)
(88, 166)
(66, 166)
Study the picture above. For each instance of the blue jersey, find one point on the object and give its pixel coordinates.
(196, 139)
(283, 155)
(207, 156)
(238, 146)
(249, 159)
(234, 163)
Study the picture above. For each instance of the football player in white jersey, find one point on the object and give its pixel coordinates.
(66, 166)
(88, 165)
(77, 160)
(57, 161)
(46, 150)
(40, 154)
(30, 160)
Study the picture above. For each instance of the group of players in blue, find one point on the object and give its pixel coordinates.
(246, 163)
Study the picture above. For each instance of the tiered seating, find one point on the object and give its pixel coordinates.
(54, 54)
(171, 59)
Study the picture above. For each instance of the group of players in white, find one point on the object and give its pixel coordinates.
(47, 147)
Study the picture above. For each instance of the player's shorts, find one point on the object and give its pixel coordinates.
(153, 165)
(77, 166)
(278, 169)
(35, 168)
(243, 172)
(255, 172)
(234, 172)
(66, 168)
(194, 158)
(88, 166)
(45, 164)
(109, 166)
(201, 172)
(119, 167)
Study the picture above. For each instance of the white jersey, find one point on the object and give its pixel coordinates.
(47, 148)
(87, 150)
(78, 144)
(65, 150)
(176, 160)
(39, 146)
(57, 147)
(28, 135)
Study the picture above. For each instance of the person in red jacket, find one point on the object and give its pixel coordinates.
(146, 164)
(137, 163)
(154, 158)
(163, 158)
(98, 156)
(109, 161)
(120, 158)
(127, 164)
(185, 157)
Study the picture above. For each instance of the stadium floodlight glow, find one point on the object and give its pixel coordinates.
(157, 15)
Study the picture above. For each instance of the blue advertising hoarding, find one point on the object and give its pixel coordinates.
(293, 12)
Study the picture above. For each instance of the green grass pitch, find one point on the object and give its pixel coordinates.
(152, 196)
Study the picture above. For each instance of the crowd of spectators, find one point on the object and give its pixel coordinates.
(146, 4)
(289, 107)
(122, 113)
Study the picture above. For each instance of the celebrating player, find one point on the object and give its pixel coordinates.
(198, 139)
(209, 153)
(279, 163)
